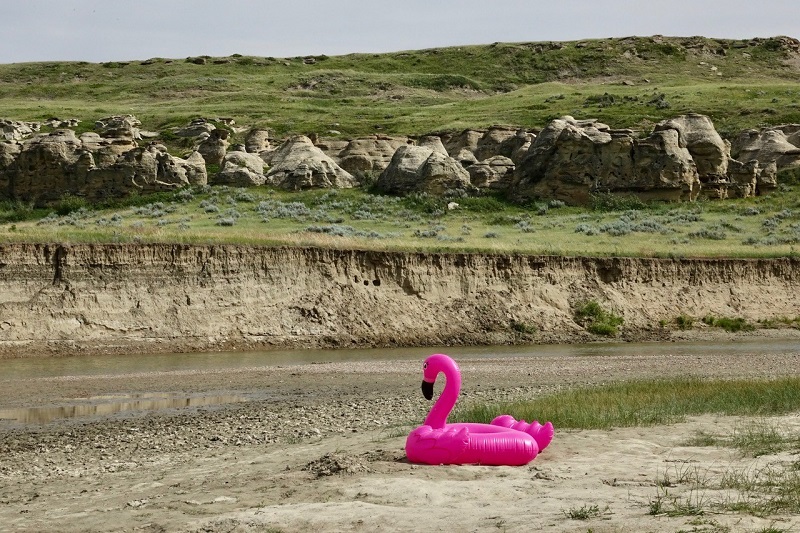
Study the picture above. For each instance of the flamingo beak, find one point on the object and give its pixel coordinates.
(427, 390)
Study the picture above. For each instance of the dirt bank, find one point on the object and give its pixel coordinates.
(57, 299)
(320, 447)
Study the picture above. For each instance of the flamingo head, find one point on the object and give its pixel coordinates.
(430, 369)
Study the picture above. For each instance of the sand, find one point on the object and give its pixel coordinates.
(320, 448)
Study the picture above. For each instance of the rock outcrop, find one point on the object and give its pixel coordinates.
(15, 130)
(214, 146)
(298, 164)
(425, 168)
(778, 144)
(163, 296)
(494, 174)
(369, 154)
(709, 152)
(46, 167)
(572, 159)
(241, 169)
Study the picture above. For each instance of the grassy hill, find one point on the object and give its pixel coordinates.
(631, 82)
(627, 82)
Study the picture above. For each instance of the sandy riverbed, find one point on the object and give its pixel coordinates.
(320, 447)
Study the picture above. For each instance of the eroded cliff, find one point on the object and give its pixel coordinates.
(59, 298)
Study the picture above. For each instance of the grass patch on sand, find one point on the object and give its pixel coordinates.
(647, 403)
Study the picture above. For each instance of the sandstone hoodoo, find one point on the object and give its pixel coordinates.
(569, 160)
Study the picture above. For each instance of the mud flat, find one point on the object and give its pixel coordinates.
(320, 446)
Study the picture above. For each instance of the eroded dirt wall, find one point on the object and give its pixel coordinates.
(95, 298)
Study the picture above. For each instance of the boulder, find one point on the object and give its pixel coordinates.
(119, 126)
(696, 132)
(298, 164)
(780, 144)
(15, 130)
(241, 169)
(214, 146)
(422, 169)
(369, 154)
(498, 140)
(463, 143)
(495, 173)
(196, 127)
(257, 141)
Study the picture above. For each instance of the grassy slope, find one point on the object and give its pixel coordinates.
(416, 92)
(619, 81)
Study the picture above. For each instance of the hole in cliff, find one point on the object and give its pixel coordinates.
(355, 278)
(366, 283)
(376, 282)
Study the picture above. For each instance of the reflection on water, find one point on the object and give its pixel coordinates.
(126, 366)
(104, 406)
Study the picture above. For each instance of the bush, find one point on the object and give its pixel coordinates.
(684, 322)
(597, 320)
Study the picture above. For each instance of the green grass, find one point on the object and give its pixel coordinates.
(646, 403)
(619, 81)
(762, 227)
(597, 320)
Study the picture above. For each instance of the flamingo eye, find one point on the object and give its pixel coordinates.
(424, 366)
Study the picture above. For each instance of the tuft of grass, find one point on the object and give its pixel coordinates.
(647, 403)
(596, 319)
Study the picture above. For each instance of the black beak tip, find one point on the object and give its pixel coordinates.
(427, 390)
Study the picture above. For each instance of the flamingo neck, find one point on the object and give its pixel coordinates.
(437, 417)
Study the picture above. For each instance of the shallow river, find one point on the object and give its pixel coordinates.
(39, 371)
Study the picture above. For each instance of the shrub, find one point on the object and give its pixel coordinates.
(684, 322)
(522, 327)
(597, 320)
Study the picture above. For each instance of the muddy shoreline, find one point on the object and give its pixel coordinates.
(137, 471)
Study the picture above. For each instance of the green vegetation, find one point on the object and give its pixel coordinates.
(731, 325)
(684, 489)
(645, 403)
(597, 320)
(628, 82)
(631, 82)
(763, 227)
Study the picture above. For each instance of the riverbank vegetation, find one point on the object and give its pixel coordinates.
(766, 226)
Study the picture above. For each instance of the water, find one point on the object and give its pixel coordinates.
(12, 370)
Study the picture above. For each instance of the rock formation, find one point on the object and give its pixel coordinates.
(214, 146)
(779, 144)
(572, 159)
(426, 168)
(241, 169)
(298, 164)
(369, 154)
(495, 173)
(45, 167)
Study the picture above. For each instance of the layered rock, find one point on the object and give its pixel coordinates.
(369, 154)
(241, 169)
(257, 141)
(298, 164)
(425, 168)
(46, 167)
(697, 134)
(214, 146)
(15, 130)
(779, 144)
(494, 174)
(571, 159)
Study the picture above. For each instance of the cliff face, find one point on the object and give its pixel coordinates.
(97, 298)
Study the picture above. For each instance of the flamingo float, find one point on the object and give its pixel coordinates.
(505, 441)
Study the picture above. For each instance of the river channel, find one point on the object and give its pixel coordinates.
(35, 391)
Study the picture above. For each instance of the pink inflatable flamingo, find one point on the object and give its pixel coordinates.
(437, 442)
